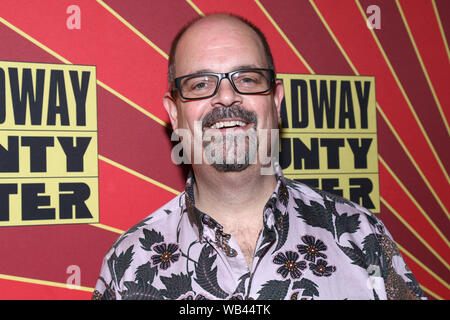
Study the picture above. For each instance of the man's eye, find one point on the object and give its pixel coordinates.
(248, 80)
(201, 85)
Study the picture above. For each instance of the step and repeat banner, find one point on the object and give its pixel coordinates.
(48, 154)
(329, 135)
(85, 150)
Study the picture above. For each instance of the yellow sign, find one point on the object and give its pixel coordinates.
(48, 144)
(329, 135)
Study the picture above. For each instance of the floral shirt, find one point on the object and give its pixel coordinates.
(314, 245)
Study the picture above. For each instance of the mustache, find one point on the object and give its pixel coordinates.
(227, 112)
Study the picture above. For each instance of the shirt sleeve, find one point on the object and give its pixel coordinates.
(105, 287)
(400, 283)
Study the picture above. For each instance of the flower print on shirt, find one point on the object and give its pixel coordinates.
(321, 268)
(289, 264)
(175, 256)
(312, 248)
(166, 255)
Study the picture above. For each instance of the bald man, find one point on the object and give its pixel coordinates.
(240, 230)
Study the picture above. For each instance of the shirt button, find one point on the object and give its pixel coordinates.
(231, 252)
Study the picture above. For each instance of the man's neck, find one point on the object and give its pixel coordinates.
(227, 196)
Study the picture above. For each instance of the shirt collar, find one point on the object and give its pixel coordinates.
(276, 206)
(275, 209)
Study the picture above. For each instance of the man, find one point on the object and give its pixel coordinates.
(237, 232)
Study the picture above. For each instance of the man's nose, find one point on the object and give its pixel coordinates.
(226, 95)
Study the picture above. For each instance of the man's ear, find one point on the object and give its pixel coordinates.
(278, 96)
(171, 108)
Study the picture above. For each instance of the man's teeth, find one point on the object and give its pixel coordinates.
(227, 124)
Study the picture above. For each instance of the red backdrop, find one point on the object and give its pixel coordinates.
(128, 42)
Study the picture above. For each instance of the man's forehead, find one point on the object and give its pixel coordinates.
(220, 33)
(237, 67)
(218, 21)
(217, 28)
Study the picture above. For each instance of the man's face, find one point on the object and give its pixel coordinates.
(222, 45)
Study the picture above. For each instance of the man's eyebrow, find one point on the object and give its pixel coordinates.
(244, 66)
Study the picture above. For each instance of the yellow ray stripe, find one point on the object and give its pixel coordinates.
(414, 232)
(139, 175)
(64, 60)
(381, 111)
(105, 227)
(411, 197)
(438, 19)
(324, 22)
(45, 283)
(411, 158)
(283, 35)
(424, 267)
(136, 31)
(192, 4)
(34, 41)
(405, 96)
(422, 65)
(430, 293)
(131, 103)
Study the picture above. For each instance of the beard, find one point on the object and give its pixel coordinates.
(233, 150)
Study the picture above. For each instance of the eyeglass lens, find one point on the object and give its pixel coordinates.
(245, 82)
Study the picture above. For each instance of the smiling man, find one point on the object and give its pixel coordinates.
(239, 231)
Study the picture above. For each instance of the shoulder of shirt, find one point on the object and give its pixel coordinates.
(307, 194)
(162, 216)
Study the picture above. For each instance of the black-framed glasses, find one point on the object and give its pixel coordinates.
(205, 85)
